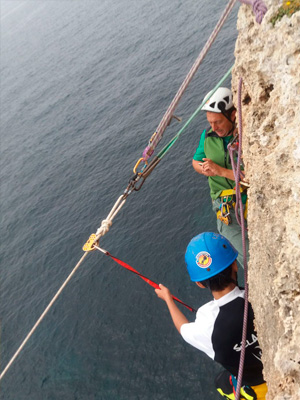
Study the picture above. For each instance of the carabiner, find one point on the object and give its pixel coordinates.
(137, 164)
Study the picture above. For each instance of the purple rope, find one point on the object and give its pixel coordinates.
(258, 7)
(156, 137)
(239, 205)
(234, 168)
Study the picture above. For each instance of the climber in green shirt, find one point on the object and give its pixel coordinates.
(212, 160)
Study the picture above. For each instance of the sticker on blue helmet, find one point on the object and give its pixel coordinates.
(203, 259)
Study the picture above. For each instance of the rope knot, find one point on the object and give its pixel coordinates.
(259, 8)
(104, 228)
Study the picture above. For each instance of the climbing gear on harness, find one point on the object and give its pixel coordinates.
(149, 281)
(224, 212)
(228, 197)
(225, 386)
(207, 255)
(254, 392)
(219, 102)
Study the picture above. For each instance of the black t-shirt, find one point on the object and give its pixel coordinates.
(217, 331)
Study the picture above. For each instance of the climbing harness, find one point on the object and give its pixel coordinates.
(228, 202)
(137, 181)
(228, 196)
(226, 383)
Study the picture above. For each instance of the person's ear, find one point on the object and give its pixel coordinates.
(200, 285)
(233, 114)
(235, 266)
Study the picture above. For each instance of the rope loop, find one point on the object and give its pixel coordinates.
(259, 9)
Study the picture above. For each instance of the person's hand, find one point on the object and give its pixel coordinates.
(163, 293)
(210, 168)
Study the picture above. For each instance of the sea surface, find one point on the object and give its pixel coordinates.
(84, 84)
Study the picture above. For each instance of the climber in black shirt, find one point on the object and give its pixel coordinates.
(217, 330)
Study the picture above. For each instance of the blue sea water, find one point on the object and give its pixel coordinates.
(84, 84)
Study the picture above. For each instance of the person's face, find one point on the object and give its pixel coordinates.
(219, 123)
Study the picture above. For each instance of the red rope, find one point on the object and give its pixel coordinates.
(147, 280)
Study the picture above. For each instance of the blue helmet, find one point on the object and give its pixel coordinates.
(207, 255)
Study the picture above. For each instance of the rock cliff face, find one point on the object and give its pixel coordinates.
(268, 60)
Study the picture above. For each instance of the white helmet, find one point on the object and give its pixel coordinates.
(219, 102)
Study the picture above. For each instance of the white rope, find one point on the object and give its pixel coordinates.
(104, 228)
(42, 316)
(106, 223)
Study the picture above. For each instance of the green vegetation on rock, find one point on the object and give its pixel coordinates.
(288, 8)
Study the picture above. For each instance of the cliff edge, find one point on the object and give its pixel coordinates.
(268, 60)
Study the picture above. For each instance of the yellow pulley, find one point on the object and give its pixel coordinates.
(89, 245)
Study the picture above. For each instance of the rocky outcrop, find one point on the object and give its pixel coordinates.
(268, 60)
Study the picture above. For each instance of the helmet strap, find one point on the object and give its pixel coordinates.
(233, 123)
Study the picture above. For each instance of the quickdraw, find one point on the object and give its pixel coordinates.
(224, 212)
(228, 198)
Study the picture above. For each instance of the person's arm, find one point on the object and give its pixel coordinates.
(212, 169)
(199, 156)
(177, 316)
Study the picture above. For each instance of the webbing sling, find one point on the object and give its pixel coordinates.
(147, 280)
